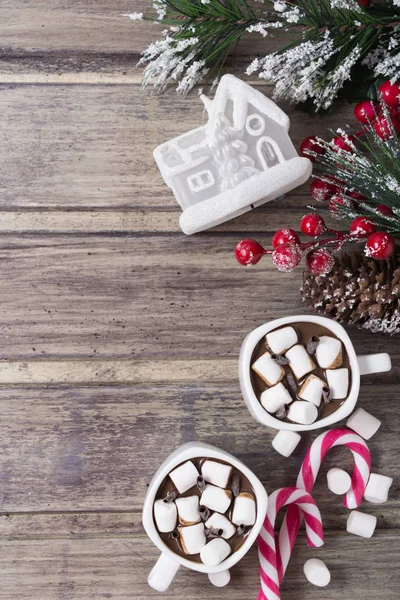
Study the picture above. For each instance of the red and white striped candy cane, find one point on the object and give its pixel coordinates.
(308, 475)
(270, 581)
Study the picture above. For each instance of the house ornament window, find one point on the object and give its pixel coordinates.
(255, 124)
(201, 181)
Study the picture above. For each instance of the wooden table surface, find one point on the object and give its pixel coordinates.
(120, 336)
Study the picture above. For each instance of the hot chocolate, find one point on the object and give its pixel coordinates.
(301, 372)
(204, 510)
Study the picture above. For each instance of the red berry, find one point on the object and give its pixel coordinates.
(312, 225)
(286, 257)
(364, 3)
(322, 190)
(341, 201)
(384, 210)
(320, 261)
(362, 226)
(285, 236)
(390, 93)
(366, 111)
(380, 245)
(310, 144)
(383, 128)
(343, 142)
(248, 252)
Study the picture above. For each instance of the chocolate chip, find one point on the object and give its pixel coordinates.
(281, 360)
(204, 513)
(174, 535)
(235, 485)
(292, 382)
(201, 483)
(170, 497)
(241, 529)
(281, 412)
(212, 532)
(326, 394)
(312, 344)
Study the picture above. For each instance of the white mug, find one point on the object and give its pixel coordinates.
(168, 564)
(359, 365)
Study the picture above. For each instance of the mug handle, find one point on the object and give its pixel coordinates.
(374, 363)
(163, 573)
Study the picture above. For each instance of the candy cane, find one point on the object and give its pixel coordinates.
(270, 580)
(308, 475)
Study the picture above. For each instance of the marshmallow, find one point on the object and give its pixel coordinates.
(188, 510)
(281, 340)
(192, 538)
(165, 515)
(338, 382)
(268, 369)
(285, 442)
(299, 361)
(301, 412)
(363, 423)
(274, 397)
(317, 572)
(218, 521)
(244, 510)
(215, 552)
(184, 477)
(311, 390)
(361, 524)
(216, 473)
(215, 498)
(378, 487)
(339, 482)
(329, 352)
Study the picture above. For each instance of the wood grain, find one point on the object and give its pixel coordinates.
(120, 336)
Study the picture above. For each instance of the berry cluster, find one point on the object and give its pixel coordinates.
(369, 114)
(287, 249)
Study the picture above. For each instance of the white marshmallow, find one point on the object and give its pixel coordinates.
(192, 538)
(218, 521)
(286, 442)
(244, 510)
(165, 515)
(274, 397)
(378, 487)
(338, 382)
(216, 473)
(302, 412)
(188, 510)
(311, 390)
(363, 423)
(329, 352)
(339, 482)
(300, 361)
(268, 369)
(281, 340)
(215, 552)
(317, 572)
(216, 498)
(184, 477)
(361, 524)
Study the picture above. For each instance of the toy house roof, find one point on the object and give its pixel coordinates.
(242, 94)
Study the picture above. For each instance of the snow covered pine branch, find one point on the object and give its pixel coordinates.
(335, 41)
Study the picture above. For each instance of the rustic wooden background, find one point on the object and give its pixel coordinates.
(120, 336)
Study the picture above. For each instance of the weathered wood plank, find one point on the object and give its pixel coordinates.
(102, 568)
(143, 297)
(96, 449)
(91, 146)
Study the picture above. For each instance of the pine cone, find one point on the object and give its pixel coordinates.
(359, 290)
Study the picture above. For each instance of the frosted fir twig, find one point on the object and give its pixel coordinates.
(333, 38)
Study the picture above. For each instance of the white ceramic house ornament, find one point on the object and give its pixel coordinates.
(242, 158)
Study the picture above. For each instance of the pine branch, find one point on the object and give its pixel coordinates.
(371, 168)
(333, 38)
